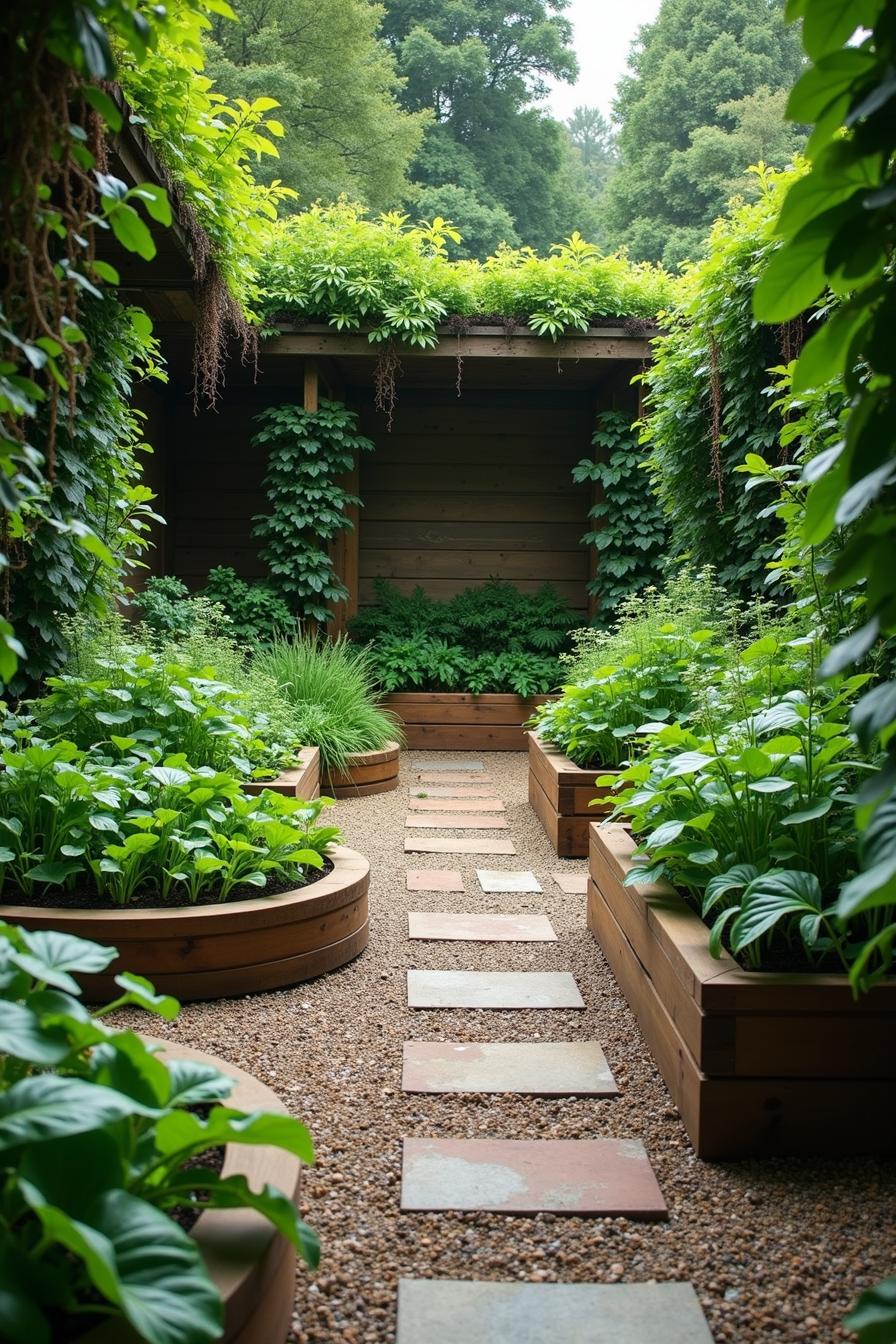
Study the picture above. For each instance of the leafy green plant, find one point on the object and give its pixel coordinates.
(628, 531)
(332, 687)
(100, 1140)
(256, 610)
(428, 663)
(307, 451)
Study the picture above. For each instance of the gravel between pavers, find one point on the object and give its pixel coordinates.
(777, 1250)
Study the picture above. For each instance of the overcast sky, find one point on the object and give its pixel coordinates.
(603, 33)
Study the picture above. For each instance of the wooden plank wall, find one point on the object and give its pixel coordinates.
(459, 491)
(463, 490)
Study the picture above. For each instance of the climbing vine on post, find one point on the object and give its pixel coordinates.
(629, 532)
(307, 452)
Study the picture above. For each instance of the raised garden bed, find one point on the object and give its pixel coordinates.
(756, 1062)
(213, 951)
(300, 781)
(436, 721)
(560, 793)
(366, 772)
(251, 1264)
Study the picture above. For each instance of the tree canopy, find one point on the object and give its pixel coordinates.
(702, 102)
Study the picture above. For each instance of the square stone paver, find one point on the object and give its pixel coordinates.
(493, 989)
(574, 884)
(481, 928)
(453, 791)
(533, 1068)
(462, 777)
(467, 763)
(601, 1177)
(434, 879)
(494, 880)
(466, 821)
(431, 844)
(454, 1311)
(457, 805)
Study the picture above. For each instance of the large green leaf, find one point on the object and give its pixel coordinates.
(192, 1081)
(183, 1132)
(875, 885)
(770, 898)
(23, 1036)
(873, 1317)
(234, 1192)
(45, 1106)
(126, 1064)
(50, 956)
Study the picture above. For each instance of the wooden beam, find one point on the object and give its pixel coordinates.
(474, 346)
(311, 386)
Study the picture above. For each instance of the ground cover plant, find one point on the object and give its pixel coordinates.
(332, 689)
(101, 1140)
(493, 638)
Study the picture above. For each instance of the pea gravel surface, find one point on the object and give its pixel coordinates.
(777, 1250)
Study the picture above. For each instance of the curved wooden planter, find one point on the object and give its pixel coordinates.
(367, 772)
(757, 1062)
(251, 1264)
(300, 781)
(214, 951)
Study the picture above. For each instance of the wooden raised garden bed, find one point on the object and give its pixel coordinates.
(757, 1062)
(251, 1264)
(367, 772)
(213, 951)
(435, 721)
(560, 793)
(300, 781)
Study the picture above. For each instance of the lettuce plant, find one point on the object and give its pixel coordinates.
(99, 1141)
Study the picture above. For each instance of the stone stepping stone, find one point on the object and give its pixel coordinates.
(451, 791)
(531, 1068)
(493, 880)
(466, 763)
(467, 777)
(434, 879)
(493, 989)
(455, 1311)
(574, 884)
(601, 1177)
(464, 821)
(457, 805)
(430, 844)
(446, 925)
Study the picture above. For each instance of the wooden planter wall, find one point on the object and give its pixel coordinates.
(300, 781)
(440, 721)
(756, 1062)
(367, 772)
(560, 793)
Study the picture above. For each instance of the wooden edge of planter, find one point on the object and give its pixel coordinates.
(299, 781)
(251, 1264)
(366, 772)
(460, 721)
(212, 951)
(561, 793)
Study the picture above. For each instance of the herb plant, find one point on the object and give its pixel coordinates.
(99, 1141)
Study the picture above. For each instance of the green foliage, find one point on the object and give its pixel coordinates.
(629, 532)
(708, 395)
(420, 662)
(124, 822)
(336, 85)
(837, 229)
(335, 266)
(256, 610)
(873, 1317)
(332, 687)
(307, 451)
(595, 140)
(99, 1141)
(700, 105)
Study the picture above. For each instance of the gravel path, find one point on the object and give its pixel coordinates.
(776, 1250)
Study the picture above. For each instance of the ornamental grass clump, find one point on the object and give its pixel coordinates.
(332, 688)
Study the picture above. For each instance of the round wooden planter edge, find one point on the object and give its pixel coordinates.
(368, 772)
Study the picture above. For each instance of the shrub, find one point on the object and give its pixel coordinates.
(332, 689)
(427, 663)
(239, 609)
(99, 1141)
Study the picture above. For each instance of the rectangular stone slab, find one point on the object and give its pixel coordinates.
(454, 1311)
(574, 884)
(457, 805)
(494, 880)
(493, 989)
(601, 1177)
(466, 821)
(531, 1068)
(434, 879)
(481, 928)
(452, 791)
(431, 844)
(463, 777)
(467, 763)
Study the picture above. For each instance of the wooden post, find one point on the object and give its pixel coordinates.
(352, 542)
(311, 400)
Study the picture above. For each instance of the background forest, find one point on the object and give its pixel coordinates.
(438, 107)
